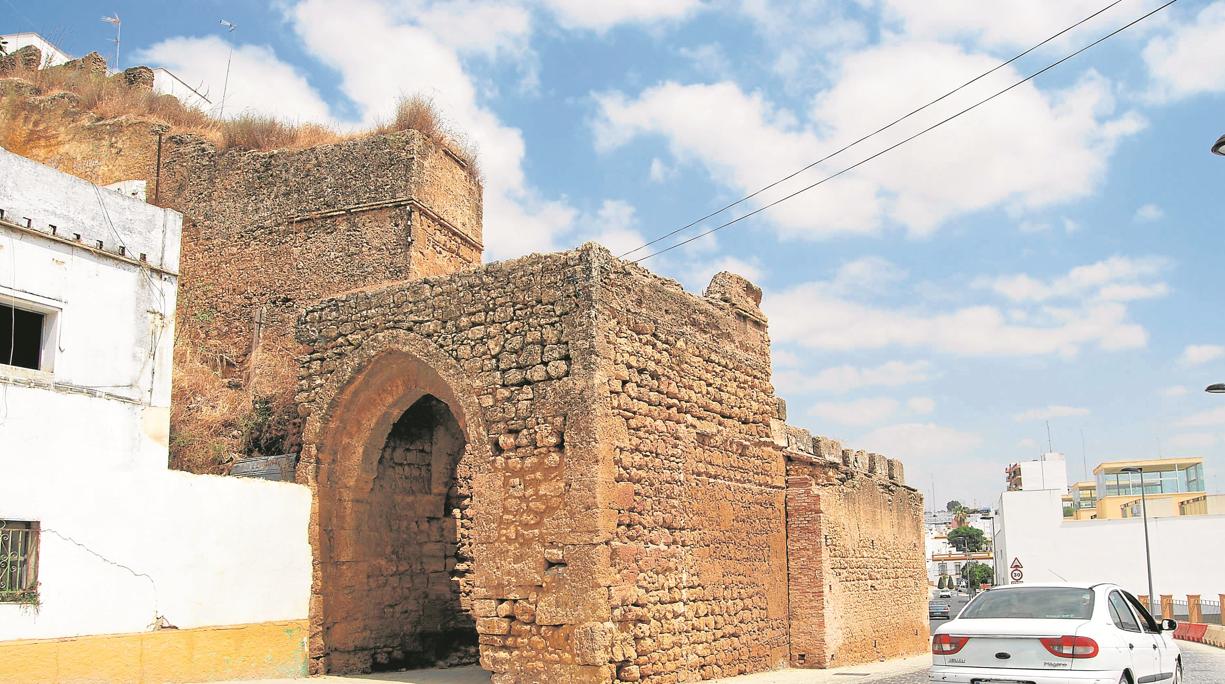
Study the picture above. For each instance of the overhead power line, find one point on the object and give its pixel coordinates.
(894, 146)
(882, 129)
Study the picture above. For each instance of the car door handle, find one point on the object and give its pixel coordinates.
(1131, 646)
(1154, 647)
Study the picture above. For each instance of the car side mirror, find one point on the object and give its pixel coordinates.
(1168, 625)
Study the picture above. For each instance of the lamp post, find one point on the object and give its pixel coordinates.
(1148, 558)
(1219, 146)
(1216, 387)
(994, 573)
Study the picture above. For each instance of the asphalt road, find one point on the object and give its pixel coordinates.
(956, 603)
(1201, 665)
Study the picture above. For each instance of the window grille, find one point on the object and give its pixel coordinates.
(18, 561)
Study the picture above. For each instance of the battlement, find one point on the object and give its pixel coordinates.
(801, 445)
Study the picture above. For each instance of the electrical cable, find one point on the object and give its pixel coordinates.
(908, 139)
(882, 129)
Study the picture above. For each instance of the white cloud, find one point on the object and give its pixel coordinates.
(1051, 411)
(472, 26)
(399, 56)
(1027, 443)
(1148, 213)
(259, 83)
(921, 441)
(996, 24)
(858, 412)
(921, 405)
(613, 225)
(743, 140)
(1117, 279)
(866, 275)
(1174, 391)
(659, 171)
(1190, 59)
(601, 16)
(811, 315)
(1210, 418)
(845, 378)
(1196, 354)
(800, 37)
(1194, 440)
(695, 274)
(708, 59)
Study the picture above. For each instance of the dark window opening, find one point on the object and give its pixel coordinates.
(21, 337)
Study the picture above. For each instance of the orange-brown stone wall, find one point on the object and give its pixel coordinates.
(700, 550)
(856, 568)
(509, 349)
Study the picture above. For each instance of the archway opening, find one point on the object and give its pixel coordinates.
(393, 583)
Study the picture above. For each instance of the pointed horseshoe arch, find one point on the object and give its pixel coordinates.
(390, 448)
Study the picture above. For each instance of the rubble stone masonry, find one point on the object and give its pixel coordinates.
(624, 495)
(856, 578)
(294, 226)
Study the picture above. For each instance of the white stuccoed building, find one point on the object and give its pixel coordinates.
(97, 535)
(52, 55)
(1035, 543)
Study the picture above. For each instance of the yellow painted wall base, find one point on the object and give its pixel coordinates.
(264, 650)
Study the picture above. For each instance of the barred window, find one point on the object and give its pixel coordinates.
(18, 561)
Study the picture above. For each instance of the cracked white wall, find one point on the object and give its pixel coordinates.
(83, 438)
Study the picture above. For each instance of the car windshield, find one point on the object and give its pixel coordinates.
(1035, 603)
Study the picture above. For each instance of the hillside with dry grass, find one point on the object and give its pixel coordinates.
(24, 87)
(109, 127)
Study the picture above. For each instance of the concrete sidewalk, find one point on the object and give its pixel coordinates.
(475, 675)
(855, 673)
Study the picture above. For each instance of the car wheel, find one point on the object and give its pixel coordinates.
(1124, 679)
(1178, 673)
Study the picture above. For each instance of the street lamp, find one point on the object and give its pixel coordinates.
(1216, 387)
(1219, 147)
(1148, 558)
(994, 572)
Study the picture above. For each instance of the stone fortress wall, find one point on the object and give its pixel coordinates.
(631, 488)
(854, 531)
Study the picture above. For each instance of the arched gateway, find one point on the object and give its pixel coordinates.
(391, 462)
(587, 467)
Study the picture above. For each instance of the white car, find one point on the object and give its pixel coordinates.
(1054, 634)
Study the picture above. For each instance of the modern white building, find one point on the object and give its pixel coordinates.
(52, 55)
(942, 558)
(97, 536)
(1035, 543)
(1050, 471)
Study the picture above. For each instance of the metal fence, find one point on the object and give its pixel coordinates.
(1211, 612)
(1180, 610)
(18, 560)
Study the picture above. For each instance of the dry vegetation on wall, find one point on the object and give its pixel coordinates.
(219, 413)
(111, 97)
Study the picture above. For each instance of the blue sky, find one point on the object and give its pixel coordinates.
(1054, 255)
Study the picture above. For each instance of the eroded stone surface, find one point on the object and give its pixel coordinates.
(631, 484)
